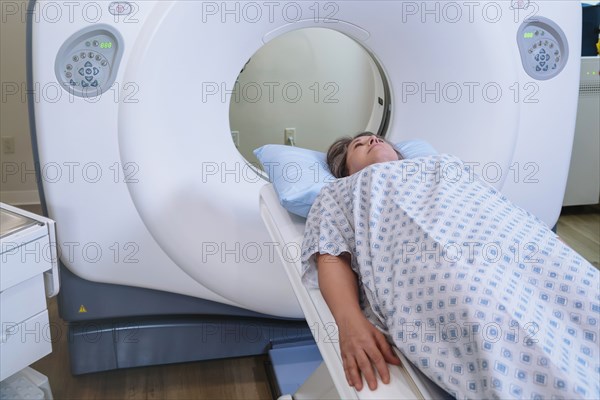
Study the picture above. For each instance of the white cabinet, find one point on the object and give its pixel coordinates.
(583, 184)
(28, 273)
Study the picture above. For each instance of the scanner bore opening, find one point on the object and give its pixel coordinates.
(307, 88)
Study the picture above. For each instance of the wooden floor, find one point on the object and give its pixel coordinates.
(242, 378)
(236, 378)
(579, 227)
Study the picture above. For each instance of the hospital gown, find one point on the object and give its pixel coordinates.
(475, 291)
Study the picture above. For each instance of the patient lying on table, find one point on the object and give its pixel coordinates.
(475, 291)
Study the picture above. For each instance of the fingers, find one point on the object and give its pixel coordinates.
(352, 372)
(387, 351)
(378, 361)
(367, 356)
(364, 363)
(381, 354)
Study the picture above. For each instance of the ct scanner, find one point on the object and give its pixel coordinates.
(157, 212)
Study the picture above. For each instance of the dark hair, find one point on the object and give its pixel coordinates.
(336, 155)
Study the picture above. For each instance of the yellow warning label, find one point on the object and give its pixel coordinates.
(82, 309)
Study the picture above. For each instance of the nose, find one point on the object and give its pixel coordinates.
(374, 139)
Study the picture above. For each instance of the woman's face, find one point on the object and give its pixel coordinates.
(366, 150)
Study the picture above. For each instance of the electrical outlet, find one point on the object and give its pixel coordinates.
(8, 145)
(235, 136)
(289, 136)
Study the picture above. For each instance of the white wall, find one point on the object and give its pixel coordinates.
(17, 184)
(336, 81)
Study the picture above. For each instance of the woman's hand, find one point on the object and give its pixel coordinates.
(361, 344)
(364, 351)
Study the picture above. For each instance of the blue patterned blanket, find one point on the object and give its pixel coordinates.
(475, 291)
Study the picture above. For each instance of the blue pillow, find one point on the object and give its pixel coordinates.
(299, 174)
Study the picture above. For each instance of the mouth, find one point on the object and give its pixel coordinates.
(373, 146)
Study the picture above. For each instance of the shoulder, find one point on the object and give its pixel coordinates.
(332, 197)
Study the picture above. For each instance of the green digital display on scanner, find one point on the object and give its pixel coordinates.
(528, 35)
(106, 45)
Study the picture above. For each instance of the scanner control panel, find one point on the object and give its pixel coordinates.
(87, 62)
(543, 47)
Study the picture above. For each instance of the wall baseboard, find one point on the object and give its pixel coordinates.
(19, 197)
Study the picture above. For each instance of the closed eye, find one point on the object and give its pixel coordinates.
(358, 143)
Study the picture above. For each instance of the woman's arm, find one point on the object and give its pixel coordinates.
(361, 344)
